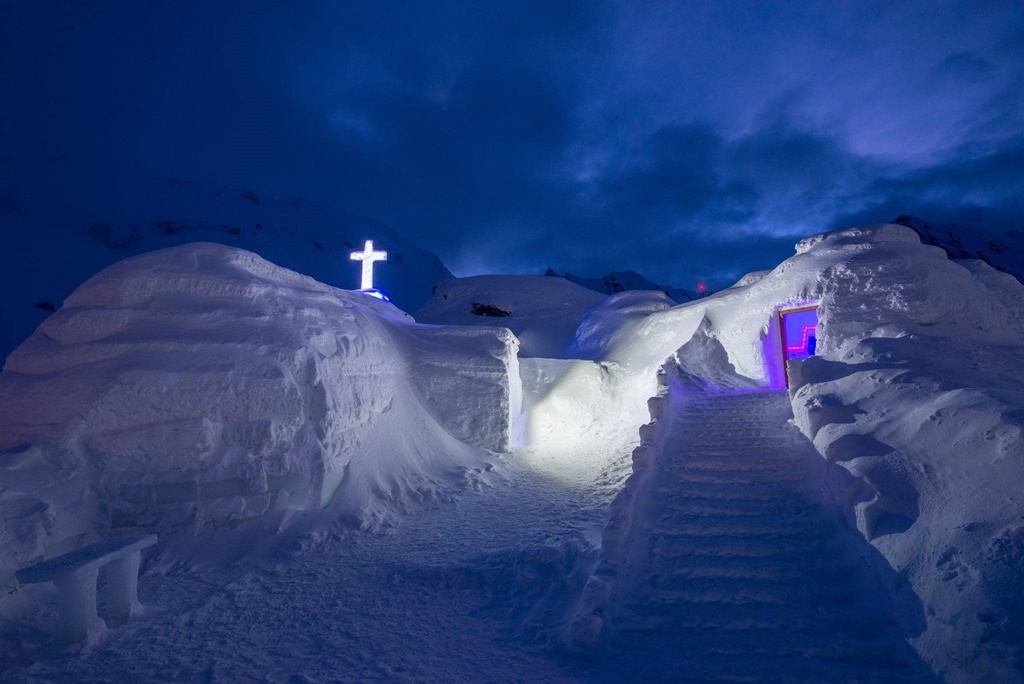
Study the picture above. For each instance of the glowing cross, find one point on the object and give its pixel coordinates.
(368, 256)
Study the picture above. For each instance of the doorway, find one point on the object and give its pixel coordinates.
(799, 329)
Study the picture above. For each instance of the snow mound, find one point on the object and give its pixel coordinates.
(612, 320)
(202, 386)
(543, 312)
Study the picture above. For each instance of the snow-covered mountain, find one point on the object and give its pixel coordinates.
(624, 281)
(51, 247)
(1003, 252)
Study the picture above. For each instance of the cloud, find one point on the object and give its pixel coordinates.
(986, 191)
(965, 66)
(674, 139)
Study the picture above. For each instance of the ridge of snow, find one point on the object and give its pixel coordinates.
(625, 281)
(1003, 252)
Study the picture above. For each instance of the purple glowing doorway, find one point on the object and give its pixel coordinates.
(799, 328)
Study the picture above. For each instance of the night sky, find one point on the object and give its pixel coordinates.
(688, 141)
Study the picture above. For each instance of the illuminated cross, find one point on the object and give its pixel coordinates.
(368, 256)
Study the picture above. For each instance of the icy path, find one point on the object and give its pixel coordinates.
(743, 570)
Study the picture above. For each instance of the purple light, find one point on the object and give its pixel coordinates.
(808, 332)
(800, 332)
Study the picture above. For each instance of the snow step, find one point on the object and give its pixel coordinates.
(700, 565)
(728, 569)
(825, 657)
(717, 452)
(737, 528)
(865, 623)
(757, 492)
(723, 589)
(794, 547)
(782, 531)
(766, 471)
(735, 477)
(724, 508)
(752, 433)
(729, 462)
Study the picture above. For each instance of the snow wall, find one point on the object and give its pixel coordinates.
(916, 398)
(201, 386)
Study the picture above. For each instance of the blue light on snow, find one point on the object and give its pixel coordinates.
(373, 292)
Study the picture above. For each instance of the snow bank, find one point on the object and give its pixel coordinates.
(924, 413)
(542, 311)
(917, 398)
(592, 624)
(202, 386)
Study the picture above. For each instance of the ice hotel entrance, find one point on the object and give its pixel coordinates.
(798, 328)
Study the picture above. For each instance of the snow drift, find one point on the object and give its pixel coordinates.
(202, 386)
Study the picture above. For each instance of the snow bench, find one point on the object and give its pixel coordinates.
(76, 574)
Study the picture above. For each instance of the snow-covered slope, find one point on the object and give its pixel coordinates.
(201, 387)
(625, 281)
(916, 399)
(1004, 252)
(51, 245)
(543, 312)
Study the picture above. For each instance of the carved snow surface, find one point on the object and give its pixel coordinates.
(201, 387)
(725, 554)
(739, 567)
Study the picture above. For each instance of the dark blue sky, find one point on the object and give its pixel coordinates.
(688, 141)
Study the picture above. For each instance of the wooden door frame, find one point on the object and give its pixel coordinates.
(782, 334)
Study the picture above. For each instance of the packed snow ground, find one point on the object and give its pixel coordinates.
(500, 562)
(464, 590)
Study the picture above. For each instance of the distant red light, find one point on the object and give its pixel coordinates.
(700, 287)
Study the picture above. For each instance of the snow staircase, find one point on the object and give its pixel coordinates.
(742, 570)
